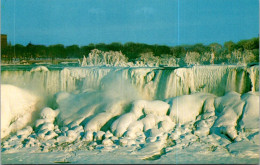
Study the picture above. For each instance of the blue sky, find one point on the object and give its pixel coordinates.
(169, 22)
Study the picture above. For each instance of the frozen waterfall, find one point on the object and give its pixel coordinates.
(150, 83)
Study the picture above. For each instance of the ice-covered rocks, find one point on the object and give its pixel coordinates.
(24, 132)
(142, 116)
(99, 120)
(88, 136)
(49, 114)
(45, 126)
(181, 119)
(107, 142)
(99, 135)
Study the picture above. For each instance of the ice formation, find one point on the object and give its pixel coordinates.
(150, 82)
(17, 106)
(152, 111)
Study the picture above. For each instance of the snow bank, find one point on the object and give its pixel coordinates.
(17, 106)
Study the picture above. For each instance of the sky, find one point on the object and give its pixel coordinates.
(164, 22)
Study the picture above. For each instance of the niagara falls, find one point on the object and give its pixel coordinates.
(142, 83)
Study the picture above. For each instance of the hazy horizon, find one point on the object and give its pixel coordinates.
(59, 43)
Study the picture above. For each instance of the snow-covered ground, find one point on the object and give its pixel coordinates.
(203, 114)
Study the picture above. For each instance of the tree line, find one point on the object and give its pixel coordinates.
(222, 53)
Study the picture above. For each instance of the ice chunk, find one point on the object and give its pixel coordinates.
(47, 126)
(88, 136)
(166, 124)
(107, 142)
(49, 135)
(134, 127)
(155, 107)
(39, 122)
(101, 119)
(49, 114)
(25, 132)
(100, 135)
(149, 122)
(151, 149)
(149, 109)
(120, 126)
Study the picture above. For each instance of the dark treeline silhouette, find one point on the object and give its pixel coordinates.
(130, 50)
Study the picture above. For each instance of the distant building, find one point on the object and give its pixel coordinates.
(3, 41)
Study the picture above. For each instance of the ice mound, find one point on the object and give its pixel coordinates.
(225, 115)
(186, 108)
(39, 69)
(233, 111)
(17, 106)
(144, 115)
